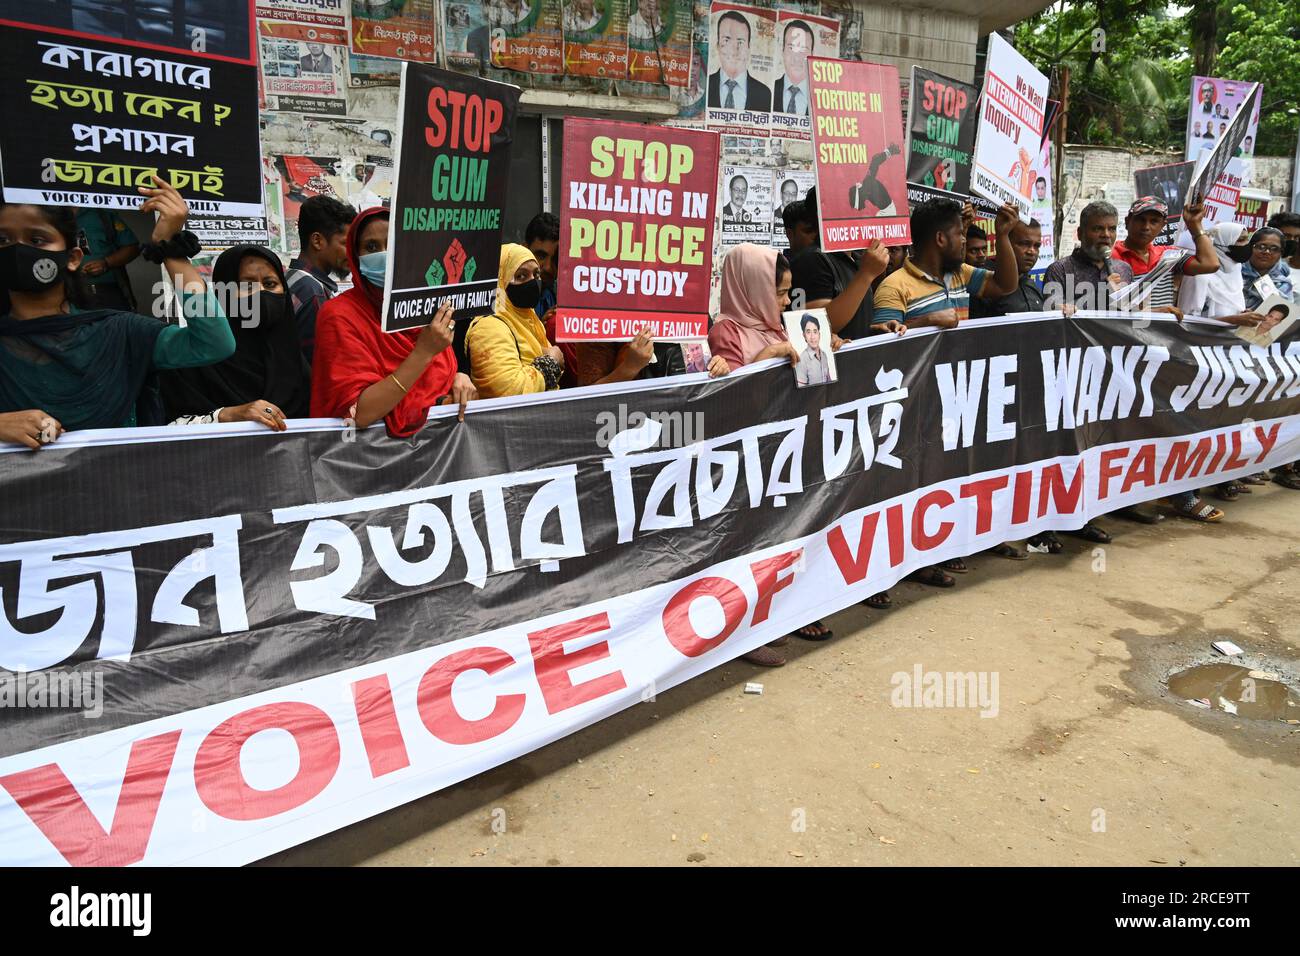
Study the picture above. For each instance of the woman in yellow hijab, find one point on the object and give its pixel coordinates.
(508, 350)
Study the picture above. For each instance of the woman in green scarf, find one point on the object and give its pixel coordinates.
(62, 368)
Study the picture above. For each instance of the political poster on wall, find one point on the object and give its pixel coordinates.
(406, 30)
(1168, 183)
(368, 72)
(659, 41)
(798, 36)
(791, 185)
(526, 35)
(1010, 128)
(1214, 104)
(304, 67)
(636, 231)
(941, 131)
(595, 38)
(742, 68)
(319, 13)
(455, 137)
(88, 121)
(477, 597)
(746, 202)
(857, 134)
(466, 35)
(303, 177)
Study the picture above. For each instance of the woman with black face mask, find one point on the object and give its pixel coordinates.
(267, 379)
(508, 350)
(64, 368)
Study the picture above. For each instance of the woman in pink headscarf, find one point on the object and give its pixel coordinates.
(755, 291)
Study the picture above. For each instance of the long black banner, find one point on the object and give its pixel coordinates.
(409, 613)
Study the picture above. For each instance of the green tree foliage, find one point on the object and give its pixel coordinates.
(1131, 63)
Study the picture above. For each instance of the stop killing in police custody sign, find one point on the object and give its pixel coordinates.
(636, 231)
(857, 134)
(1010, 128)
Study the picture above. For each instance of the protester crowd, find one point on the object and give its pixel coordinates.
(75, 355)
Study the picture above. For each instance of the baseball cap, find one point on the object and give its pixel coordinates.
(1148, 204)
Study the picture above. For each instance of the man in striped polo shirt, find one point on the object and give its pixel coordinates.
(934, 286)
(1145, 221)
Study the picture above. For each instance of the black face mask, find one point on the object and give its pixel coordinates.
(525, 295)
(270, 308)
(1239, 253)
(1290, 247)
(25, 268)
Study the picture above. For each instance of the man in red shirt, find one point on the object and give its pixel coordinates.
(1145, 221)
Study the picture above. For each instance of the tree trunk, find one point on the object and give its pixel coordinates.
(1205, 35)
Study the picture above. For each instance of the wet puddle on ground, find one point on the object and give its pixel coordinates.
(1257, 694)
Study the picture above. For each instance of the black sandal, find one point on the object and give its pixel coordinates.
(826, 634)
(1009, 551)
(1227, 492)
(881, 601)
(1090, 532)
(1048, 540)
(1287, 479)
(955, 565)
(933, 577)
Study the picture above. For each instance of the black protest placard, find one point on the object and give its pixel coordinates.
(941, 131)
(1224, 149)
(1168, 183)
(88, 120)
(453, 175)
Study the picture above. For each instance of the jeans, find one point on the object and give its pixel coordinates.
(1184, 500)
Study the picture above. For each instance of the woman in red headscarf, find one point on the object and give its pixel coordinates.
(362, 373)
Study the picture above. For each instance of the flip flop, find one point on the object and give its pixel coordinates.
(825, 636)
(880, 602)
(1090, 532)
(933, 577)
(1009, 551)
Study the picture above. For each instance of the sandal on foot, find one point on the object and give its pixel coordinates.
(765, 657)
(1260, 478)
(933, 577)
(1141, 516)
(880, 602)
(1009, 551)
(1090, 532)
(1287, 479)
(1048, 540)
(955, 565)
(1198, 511)
(1228, 492)
(825, 635)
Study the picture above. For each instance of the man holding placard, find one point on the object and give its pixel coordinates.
(1010, 127)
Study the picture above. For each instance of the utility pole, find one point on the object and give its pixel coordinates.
(1058, 184)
